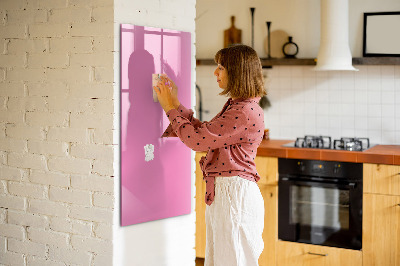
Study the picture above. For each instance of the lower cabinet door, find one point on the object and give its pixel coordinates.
(270, 233)
(200, 209)
(297, 254)
(381, 230)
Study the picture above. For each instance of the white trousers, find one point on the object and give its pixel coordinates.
(234, 223)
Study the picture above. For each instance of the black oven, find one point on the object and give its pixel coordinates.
(320, 202)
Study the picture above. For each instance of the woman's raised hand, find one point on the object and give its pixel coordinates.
(164, 94)
(174, 90)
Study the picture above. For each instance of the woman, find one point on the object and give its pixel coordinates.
(235, 207)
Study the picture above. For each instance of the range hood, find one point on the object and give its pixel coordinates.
(334, 51)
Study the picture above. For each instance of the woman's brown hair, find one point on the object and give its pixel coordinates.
(245, 78)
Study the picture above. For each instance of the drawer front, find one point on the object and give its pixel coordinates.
(293, 254)
(381, 179)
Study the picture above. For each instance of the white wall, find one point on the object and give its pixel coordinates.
(170, 241)
(56, 121)
(299, 18)
(59, 104)
(338, 104)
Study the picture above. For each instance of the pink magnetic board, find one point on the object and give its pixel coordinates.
(155, 172)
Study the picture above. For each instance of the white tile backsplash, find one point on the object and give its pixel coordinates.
(388, 110)
(387, 72)
(390, 136)
(322, 121)
(397, 95)
(322, 95)
(374, 110)
(361, 110)
(374, 97)
(310, 109)
(397, 72)
(388, 83)
(374, 83)
(348, 95)
(335, 95)
(322, 109)
(388, 97)
(347, 110)
(364, 103)
(397, 110)
(361, 124)
(387, 124)
(374, 123)
(348, 123)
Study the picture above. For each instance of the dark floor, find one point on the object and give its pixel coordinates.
(199, 262)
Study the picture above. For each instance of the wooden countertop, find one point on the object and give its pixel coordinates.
(379, 154)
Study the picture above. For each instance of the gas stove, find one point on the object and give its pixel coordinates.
(325, 142)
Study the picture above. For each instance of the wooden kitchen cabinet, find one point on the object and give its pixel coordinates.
(267, 167)
(381, 230)
(381, 179)
(270, 233)
(381, 215)
(200, 209)
(298, 254)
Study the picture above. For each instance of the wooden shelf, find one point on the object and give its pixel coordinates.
(267, 63)
(312, 61)
(288, 62)
(376, 61)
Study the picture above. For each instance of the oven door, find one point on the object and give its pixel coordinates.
(321, 212)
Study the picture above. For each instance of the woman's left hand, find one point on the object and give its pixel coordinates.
(164, 95)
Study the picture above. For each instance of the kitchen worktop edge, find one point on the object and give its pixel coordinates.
(378, 154)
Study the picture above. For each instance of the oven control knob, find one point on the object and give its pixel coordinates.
(302, 167)
(336, 169)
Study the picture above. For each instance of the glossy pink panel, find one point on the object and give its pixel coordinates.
(157, 186)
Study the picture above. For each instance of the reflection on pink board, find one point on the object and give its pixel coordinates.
(155, 172)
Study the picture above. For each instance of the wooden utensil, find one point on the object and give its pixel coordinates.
(232, 35)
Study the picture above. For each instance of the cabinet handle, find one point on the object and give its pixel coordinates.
(318, 254)
(398, 204)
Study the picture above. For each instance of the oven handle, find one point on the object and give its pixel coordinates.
(298, 181)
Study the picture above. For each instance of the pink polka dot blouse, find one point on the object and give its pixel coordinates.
(231, 139)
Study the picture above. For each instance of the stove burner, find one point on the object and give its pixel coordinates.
(324, 142)
(308, 141)
(351, 144)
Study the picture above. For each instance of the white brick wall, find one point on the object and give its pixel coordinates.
(56, 126)
(57, 131)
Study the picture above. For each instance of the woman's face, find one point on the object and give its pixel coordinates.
(222, 76)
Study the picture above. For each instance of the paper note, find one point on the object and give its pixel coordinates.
(148, 152)
(155, 79)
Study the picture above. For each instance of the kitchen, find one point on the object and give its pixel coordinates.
(304, 102)
(60, 77)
